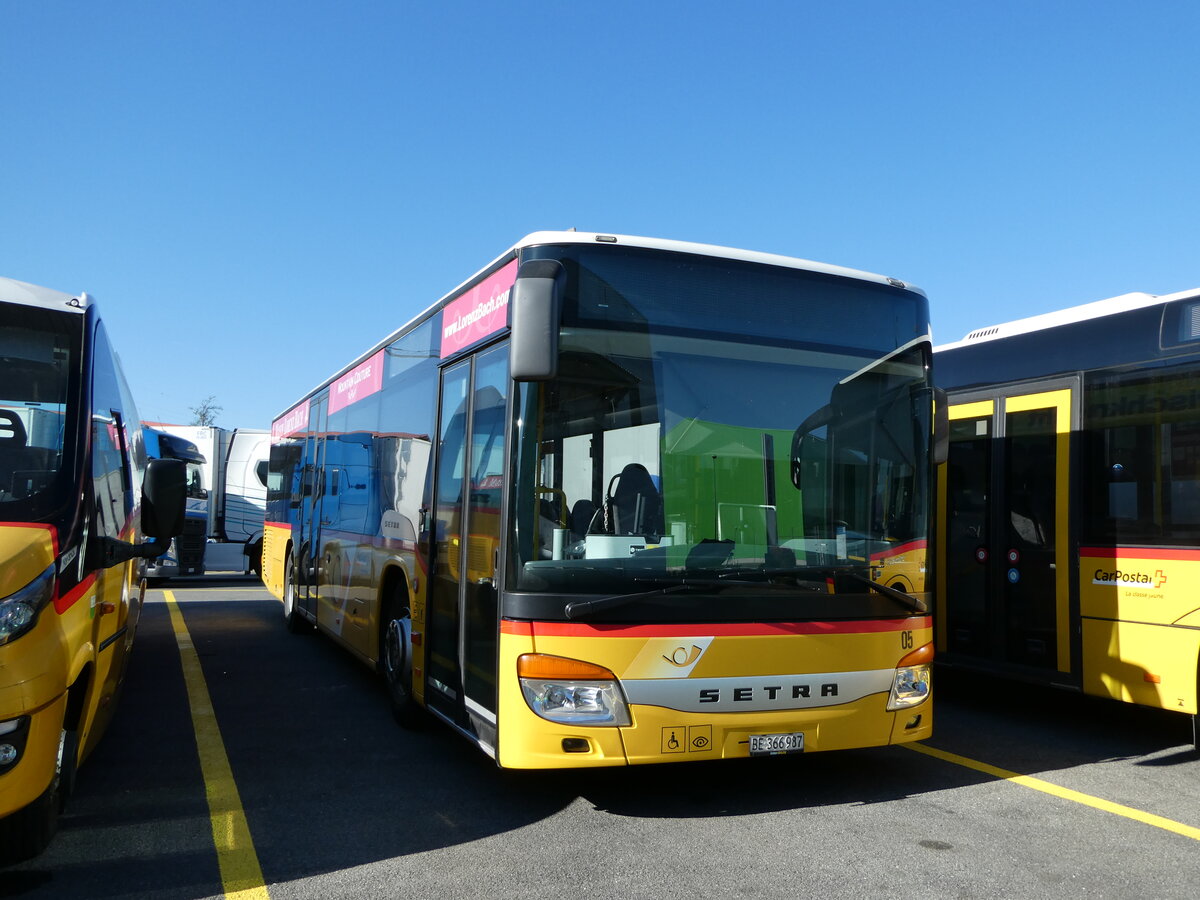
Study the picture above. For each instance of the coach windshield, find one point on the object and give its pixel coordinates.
(37, 347)
(721, 435)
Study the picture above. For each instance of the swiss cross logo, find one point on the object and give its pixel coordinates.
(1159, 578)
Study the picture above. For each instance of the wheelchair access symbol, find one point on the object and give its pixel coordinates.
(686, 739)
(673, 739)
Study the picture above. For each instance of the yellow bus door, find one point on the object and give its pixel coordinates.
(1005, 564)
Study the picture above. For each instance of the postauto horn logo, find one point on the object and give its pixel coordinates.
(1158, 579)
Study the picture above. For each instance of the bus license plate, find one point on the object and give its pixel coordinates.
(773, 744)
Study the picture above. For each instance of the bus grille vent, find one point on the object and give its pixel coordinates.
(1190, 323)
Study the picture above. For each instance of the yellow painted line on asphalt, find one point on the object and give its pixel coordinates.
(249, 589)
(1055, 790)
(241, 874)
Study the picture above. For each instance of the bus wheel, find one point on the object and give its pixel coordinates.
(28, 831)
(254, 552)
(292, 617)
(396, 662)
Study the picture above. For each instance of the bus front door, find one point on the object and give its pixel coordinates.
(1005, 561)
(462, 627)
(313, 492)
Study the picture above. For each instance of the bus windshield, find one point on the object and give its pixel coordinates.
(752, 434)
(36, 349)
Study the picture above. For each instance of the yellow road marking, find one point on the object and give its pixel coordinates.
(1046, 787)
(241, 875)
(211, 590)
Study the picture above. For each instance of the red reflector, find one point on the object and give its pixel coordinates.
(1152, 679)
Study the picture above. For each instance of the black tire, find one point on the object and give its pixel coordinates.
(255, 556)
(28, 831)
(292, 617)
(395, 660)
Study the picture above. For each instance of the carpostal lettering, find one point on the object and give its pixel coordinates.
(1158, 579)
(770, 692)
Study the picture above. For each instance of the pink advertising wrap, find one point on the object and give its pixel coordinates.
(480, 312)
(361, 381)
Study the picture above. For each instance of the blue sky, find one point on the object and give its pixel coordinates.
(256, 192)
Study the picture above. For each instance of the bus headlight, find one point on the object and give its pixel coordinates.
(910, 688)
(19, 611)
(911, 684)
(571, 692)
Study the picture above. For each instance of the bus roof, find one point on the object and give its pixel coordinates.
(1095, 310)
(13, 291)
(540, 238)
(771, 259)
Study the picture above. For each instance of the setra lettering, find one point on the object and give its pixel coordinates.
(770, 693)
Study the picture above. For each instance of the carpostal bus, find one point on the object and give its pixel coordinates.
(621, 500)
(1070, 533)
(75, 499)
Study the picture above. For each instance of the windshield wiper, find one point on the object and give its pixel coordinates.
(916, 604)
(577, 609)
(908, 601)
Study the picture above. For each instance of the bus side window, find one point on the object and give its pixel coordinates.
(111, 477)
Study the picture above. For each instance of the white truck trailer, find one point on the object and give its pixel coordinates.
(234, 482)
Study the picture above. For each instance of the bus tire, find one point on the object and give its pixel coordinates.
(255, 555)
(395, 659)
(28, 831)
(292, 617)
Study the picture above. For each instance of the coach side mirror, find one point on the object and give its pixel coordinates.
(807, 448)
(941, 426)
(164, 498)
(536, 298)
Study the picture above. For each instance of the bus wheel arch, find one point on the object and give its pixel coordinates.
(395, 647)
(72, 726)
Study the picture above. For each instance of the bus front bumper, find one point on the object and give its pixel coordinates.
(660, 735)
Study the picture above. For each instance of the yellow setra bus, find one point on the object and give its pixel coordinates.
(76, 497)
(623, 500)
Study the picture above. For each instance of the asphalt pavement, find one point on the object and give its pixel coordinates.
(1022, 792)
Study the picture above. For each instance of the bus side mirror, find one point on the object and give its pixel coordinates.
(941, 426)
(536, 297)
(164, 498)
(803, 439)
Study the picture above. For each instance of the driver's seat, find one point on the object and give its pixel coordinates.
(634, 504)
